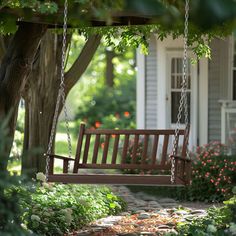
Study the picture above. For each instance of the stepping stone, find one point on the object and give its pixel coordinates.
(163, 227)
(173, 231)
(143, 216)
(128, 234)
(198, 212)
(145, 197)
(169, 205)
(124, 213)
(182, 212)
(163, 213)
(153, 203)
(166, 200)
(84, 234)
(148, 208)
(140, 203)
(132, 209)
(139, 211)
(147, 233)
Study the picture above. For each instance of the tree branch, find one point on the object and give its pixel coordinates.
(82, 62)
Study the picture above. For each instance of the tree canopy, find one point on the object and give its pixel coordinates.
(208, 19)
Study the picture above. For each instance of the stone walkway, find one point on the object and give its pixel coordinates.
(145, 215)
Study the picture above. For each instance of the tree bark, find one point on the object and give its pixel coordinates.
(41, 94)
(109, 68)
(40, 99)
(15, 67)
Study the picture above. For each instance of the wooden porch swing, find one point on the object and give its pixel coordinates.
(120, 150)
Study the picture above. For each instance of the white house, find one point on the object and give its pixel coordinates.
(212, 89)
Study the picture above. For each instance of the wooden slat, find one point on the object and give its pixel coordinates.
(145, 148)
(79, 148)
(154, 149)
(164, 149)
(86, 148)
(60, 157)
(65, 166)
(125, 166)
(134, 131)
(188, 173)
(105, 150)
(51, 166)
(185, 142)
(96, 148)
(163, 180)
(115, 149)
(135, 147)
(125, 148)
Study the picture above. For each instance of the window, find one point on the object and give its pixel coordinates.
(234, 68)
(176, 83)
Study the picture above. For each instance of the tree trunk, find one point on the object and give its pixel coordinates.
(41, 93)
(40, 100)
(109, 68)
(15, 67)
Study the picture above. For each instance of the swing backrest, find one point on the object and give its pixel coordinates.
(146, 150)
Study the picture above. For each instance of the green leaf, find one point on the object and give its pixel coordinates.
(112, 205)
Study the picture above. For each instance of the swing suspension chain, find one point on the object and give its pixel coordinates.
(183, 104)
(61, 96)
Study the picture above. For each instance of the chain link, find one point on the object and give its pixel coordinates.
(183, 98)
(61, 96)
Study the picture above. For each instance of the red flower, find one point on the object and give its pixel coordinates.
(97, 124)
(126, 114)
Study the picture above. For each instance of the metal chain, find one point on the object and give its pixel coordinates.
(61, 95)
(183, 98)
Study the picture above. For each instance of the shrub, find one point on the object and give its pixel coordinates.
(57, 209)
(110, 107)
(11, 193)
(129, 157)
(213, 174)
(219, 221)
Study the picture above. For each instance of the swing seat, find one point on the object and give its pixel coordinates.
(132, 157)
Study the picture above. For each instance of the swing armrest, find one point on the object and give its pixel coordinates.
(182, 159)
(183, 169)
(60, 157)
(65, 162)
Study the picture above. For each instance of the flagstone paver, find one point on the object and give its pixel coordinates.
(145, 215)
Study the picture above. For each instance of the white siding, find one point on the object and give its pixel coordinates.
(218, 85)
(151, 86)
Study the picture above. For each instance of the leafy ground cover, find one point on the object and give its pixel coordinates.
(52, 209)
(219, 221)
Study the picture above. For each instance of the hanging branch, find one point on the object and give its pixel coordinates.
(82, 61)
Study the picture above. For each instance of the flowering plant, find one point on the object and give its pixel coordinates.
(213, 173)
(130, 156)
